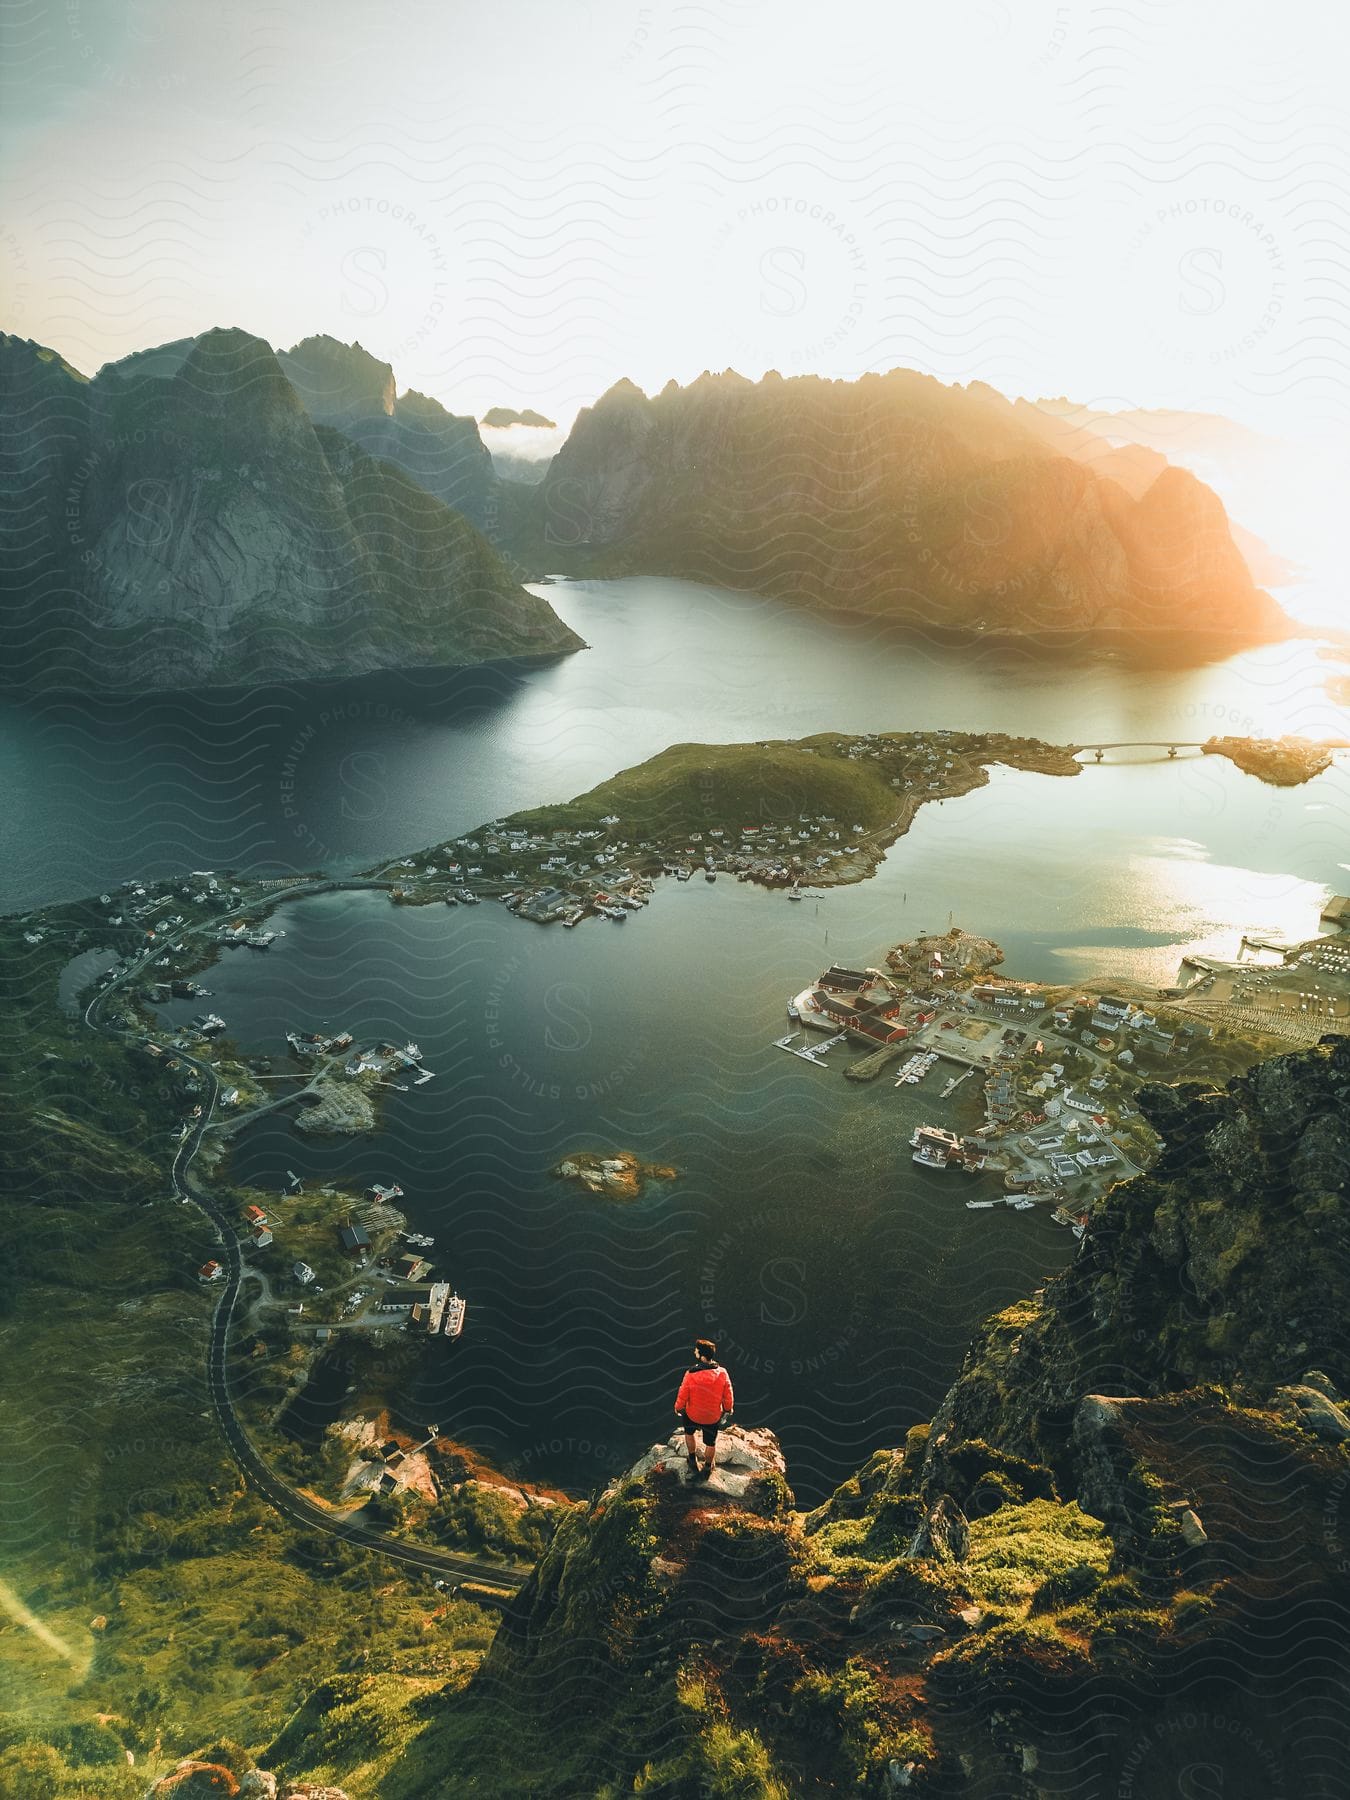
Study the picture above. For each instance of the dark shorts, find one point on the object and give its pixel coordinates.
(709, 1431)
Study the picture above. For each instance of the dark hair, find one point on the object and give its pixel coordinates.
(706, 1349)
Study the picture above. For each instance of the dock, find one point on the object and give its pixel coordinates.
(812, 1052)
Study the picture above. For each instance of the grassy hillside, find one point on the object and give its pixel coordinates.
(148, 1601)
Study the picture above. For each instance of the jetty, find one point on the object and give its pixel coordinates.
(868, 1067)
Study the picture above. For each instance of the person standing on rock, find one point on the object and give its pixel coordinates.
(704, 1402)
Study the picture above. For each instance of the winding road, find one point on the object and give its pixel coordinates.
(290, 1504)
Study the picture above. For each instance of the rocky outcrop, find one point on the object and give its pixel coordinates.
(184, 523)
(217, 1781)
(896, 496)
(620, 1176)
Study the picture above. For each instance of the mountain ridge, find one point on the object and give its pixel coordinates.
(898, 497)
(182, 521)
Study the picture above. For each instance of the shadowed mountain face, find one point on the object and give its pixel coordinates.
(342, 385)
(895, 495)
(182, 521)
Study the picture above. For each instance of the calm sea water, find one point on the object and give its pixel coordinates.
(841, 1280)
(340, 774)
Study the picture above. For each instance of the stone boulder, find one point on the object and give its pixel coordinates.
(746, 1457)
(944, 1534)
(1308, 1407)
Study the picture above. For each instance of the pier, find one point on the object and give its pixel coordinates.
(810, 1052)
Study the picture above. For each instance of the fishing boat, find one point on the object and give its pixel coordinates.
(455, 1309)
(930, 1156)
(1020, 1205)
(710, 875)
(794, 1011)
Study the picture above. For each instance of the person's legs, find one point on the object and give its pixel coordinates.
(691, 1455)
(709, 1450)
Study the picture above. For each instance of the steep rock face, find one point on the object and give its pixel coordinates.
(195, 528)
(898, 496)
(44, 429)
(1228, 1261)
(346, 387)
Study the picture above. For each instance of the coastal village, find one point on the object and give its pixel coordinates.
(701, 812)
(1054, 1071)
(703, 815)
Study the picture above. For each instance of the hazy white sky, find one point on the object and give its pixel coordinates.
(518, 201)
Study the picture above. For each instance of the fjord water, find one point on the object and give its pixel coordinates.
(841, 1280)
(336, 775)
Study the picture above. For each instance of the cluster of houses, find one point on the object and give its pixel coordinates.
(1111, 1019)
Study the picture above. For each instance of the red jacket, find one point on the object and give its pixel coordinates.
(705, 1393)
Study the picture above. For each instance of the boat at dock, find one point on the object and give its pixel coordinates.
(455, 1309)
(710, 875)
(930, 1156)
(683, 874)
(917, 1067)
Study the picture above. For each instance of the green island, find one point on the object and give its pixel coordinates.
(1075, 1524)
(819, 811)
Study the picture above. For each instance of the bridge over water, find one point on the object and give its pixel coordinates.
(1170, 745)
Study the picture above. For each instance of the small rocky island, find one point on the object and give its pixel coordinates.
(1283, 761)
(619, 1176)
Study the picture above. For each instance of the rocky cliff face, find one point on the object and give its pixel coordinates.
(897, 496)
(343, 386)
(182, 522)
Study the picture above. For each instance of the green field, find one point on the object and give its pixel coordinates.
(694, 787)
